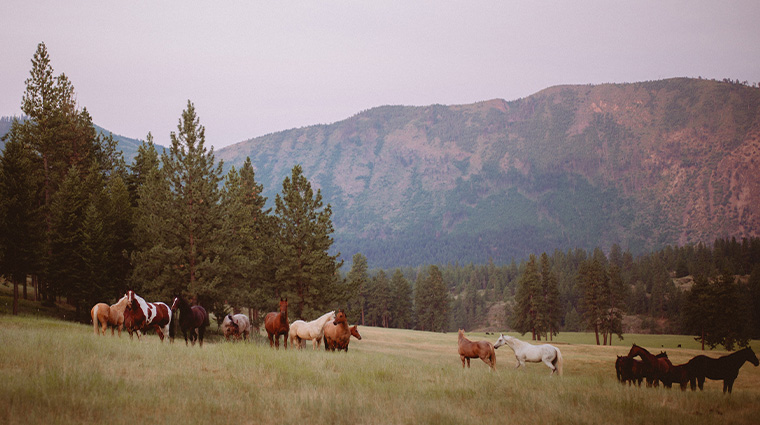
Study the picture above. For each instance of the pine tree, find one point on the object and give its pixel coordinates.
(593, 283)
(20, 221)
(431, 301)
(357, 282)
(178, 232)
(401, 301)
(528, 300)
(551, 308)
(247, 230)
(306, 268)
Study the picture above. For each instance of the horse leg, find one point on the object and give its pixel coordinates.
(201, 331)
(548, 363)
(701, 382)
(285, 342)
(468, 362)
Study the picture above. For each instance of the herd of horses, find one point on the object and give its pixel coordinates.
(657, 368)
(136, 315)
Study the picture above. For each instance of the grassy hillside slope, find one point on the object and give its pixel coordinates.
(54, 371)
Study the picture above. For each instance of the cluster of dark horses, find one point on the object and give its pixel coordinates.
(658, 368)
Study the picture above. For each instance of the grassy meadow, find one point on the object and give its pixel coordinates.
(60, 372)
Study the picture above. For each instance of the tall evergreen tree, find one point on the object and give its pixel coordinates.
(179, 219)
(306, 269)
(431, 301)
(357, 282)
(401, 301)
(551, 307)
(247, 231)
(593, 282)
(20, 221)
(528, 300)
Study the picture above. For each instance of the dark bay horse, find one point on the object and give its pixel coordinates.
(472, 350)
(724, 368)
(656, 367)
(191, 319)
(630, 370)
(141, 315)
(276, 324)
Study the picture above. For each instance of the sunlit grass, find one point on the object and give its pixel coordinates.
(58, 372)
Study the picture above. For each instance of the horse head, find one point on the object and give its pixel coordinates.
(175, 303)
(355, 332)
(503, 339)
(340, 317)
(751, 357)
(283, 305)
(637, 351)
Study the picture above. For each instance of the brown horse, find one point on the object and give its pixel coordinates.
(630, 370)
(109, 316)
(473, 350)
(276, 324)
(725, 368)
(656, 366)
(192, 319)
(338, 334)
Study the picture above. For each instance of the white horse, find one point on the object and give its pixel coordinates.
(526, 352)
(314, 330)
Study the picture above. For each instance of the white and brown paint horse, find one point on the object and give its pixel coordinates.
(141, 315)
(108, 316)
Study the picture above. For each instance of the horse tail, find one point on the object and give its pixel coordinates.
(558, 361)
(493, 356)
(94, 314)
(206, 321)
(172, 325)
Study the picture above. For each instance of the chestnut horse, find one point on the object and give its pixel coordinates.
(109, 316)
(473, 350)
(276, 324)
(141, 315)
(724, 368)
(338, 334)
(191, 319)
(657, 366)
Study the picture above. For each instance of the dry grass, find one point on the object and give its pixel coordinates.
(60, 372)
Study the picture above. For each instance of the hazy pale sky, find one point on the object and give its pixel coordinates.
(255, 67)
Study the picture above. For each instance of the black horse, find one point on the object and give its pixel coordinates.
(193, 319)
(724, 368)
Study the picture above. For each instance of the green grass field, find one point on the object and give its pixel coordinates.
(60, 372)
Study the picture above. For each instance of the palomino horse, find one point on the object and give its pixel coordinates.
(109, 316)
(473, 350)
(724, 368)
(236, 326)
(338, 334)
(314, 330)
(191, 319)
(141, 315)
(276, 324)
(527, 352)
(656, 366)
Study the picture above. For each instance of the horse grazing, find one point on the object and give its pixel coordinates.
(338, 334)
(724, 368)
(236, 326)
(141, 315)
(526, 352)
(109, 316)
(193, 319)
(314, 330)
(678, 374)
(276, 324)
(656, 367)
(483, 350)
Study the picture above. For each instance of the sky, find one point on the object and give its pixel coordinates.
(258, 67)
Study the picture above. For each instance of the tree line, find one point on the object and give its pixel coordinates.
(85, 226)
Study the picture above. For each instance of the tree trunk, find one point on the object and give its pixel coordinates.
(596, 332)
(15, 298)
(703, 338)
(25, 281)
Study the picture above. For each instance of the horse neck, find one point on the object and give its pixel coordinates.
(120, 305)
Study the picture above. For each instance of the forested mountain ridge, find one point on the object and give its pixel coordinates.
(642, 165)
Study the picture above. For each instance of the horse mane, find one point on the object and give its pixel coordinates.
(121, 305)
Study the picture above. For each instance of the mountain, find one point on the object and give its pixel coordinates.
(642, 165)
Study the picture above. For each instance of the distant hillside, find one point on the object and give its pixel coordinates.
(642, 165)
